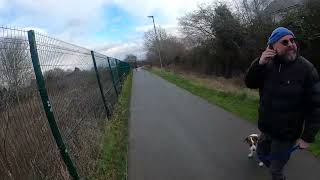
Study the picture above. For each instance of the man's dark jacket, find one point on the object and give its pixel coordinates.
(289, 98)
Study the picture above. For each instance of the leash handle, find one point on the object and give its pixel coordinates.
(280, 155)
(295, 148)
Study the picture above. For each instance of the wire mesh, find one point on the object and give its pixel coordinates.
(106, 80)
(123, 69)
(114, 70)
(28, 150)
(75, 96)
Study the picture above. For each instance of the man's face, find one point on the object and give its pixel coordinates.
(286, 48)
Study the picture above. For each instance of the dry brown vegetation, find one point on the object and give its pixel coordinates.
(28, 150)
(233, 85)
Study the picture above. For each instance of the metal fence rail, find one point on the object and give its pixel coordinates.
(54, 100)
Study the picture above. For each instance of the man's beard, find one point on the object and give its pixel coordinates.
(289, 57)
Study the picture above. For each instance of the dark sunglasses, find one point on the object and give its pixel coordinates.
(286, 42)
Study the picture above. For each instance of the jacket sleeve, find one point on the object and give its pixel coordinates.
(255, 75)
(312, 119)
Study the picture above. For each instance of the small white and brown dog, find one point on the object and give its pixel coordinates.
(252, 141)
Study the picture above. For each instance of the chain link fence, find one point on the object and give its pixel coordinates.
(55, 98)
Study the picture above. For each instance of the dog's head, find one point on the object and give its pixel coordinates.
(252, 140)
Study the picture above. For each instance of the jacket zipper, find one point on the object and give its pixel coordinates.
(280, 68)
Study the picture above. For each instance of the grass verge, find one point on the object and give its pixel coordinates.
(238, 103)
(112, 161)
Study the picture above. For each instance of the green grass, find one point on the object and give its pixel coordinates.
(112, 161)
(238, 103)
(315, 147)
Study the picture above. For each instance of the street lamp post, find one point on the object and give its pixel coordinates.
(155, 32)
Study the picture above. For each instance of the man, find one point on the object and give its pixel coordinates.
(287, 114)
(136, 66)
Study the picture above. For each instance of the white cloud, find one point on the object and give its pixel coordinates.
(39, 30)
(121, 49)
(2, 4)
(116, 19)
(166, 14)
(144, 28)
(171, 29)
(169, 8)
(60, 18)
(77, 21)
(69, 9)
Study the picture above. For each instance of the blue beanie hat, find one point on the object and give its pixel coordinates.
(278, 34)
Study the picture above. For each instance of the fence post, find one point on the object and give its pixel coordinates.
(47, 106)
(119, 77)
(114, 84)
(100, 86)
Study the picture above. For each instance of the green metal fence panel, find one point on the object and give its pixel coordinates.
(47, 105)
(113, 63)
(100, 84)
(114, 78)
(28, 149)
(118, 70)
(124, 68)
(106, 80)
(74, 98)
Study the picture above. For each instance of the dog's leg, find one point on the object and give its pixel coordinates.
(261, 164)
(250, 155)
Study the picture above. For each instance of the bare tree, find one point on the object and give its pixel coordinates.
(253, 11)
(150, 42)
(151, 45)
(15, 64)
(130, 58)
(171, 47)
(196, 26)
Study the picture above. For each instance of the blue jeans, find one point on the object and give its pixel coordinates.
(270, 146)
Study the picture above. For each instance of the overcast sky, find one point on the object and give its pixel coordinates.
(113, 27)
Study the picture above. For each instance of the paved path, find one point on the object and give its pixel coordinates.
(174, 135)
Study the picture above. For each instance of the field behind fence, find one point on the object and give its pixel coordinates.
(55, 98)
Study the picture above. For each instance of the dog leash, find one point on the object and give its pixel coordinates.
(280, 156)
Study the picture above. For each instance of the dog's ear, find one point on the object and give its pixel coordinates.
(246, 139)
(255, 138)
